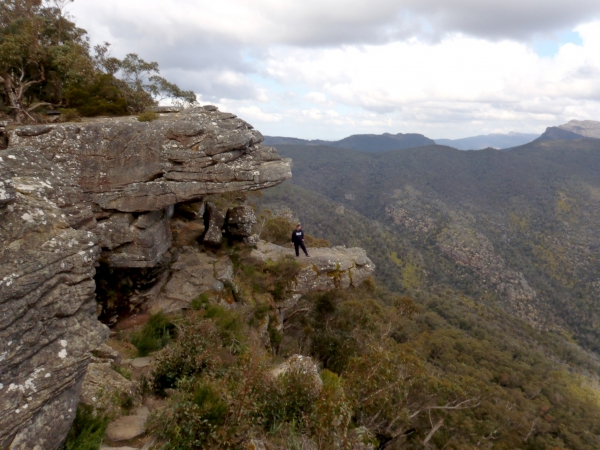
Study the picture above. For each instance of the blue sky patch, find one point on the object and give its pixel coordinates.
(547, 48)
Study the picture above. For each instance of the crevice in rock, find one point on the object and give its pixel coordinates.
(116, 286)
(3, 139)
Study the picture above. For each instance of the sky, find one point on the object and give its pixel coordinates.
(326, 69)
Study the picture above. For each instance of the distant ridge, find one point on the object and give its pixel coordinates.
(575, 129)
(496, 140)
(362, 142)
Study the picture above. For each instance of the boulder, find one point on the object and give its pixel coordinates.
(48, 323)
(193, 273)
(140, 363)
(128, 427)
(102, 385)
(106, 353)
(213, 221)
(240, 220)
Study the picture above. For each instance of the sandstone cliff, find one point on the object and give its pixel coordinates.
(72, 195)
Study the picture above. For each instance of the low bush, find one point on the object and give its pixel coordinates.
(199, 302)
(155, 334)
(148, 116)
(101, 97)
(194, 352)
(277, 230)
(69, 115)
(87, 431)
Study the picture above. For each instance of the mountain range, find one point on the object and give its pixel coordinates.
(362, 142)
(519, 228)
(400, 141)
(496, 140)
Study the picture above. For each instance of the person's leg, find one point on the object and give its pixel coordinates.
(303, 249)
(296, 246)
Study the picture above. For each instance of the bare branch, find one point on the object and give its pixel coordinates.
(448, 406)
(436, 427)
(530, 431)
(37, 105)
(295, 312)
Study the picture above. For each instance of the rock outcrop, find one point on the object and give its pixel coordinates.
(72, 195)
(193, 273)
(132, 173)
(48, 319)
(325, 269)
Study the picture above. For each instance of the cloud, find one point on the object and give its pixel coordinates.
(331, 23)
(329, 69)
(255, 113)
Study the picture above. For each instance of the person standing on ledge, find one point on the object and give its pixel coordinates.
(298, 240)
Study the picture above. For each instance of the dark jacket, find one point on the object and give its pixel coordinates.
(297, 236)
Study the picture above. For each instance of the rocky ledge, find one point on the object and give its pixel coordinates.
(132, 173)
(325, 269)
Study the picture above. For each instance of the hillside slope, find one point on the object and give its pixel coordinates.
(518, 228)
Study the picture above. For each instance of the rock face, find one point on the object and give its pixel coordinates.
(132, 166)
(47, 308)
(240, 221)
(213, 223)
(193, 273)
(72, 195)
(132, 173)
(325, 269)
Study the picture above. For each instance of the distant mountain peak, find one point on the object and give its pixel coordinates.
(574, 129)
(587, 128)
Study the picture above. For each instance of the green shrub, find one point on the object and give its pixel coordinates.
(282, 272)
(101, 97)
(157, 332)
(125, 401)
(69, 115)
(87, 431)
(194, 352)
(148, 116)
(199, 302)
(123, 371)
(275, 337)
(277, 230)
(230, 326)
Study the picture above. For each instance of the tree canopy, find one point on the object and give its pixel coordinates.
(46, 61)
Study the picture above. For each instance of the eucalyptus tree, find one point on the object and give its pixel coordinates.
(41, 53)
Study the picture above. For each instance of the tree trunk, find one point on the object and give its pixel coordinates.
(14, 99)
(15, 91)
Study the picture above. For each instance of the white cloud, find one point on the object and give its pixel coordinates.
(255, 113)
(329, 69)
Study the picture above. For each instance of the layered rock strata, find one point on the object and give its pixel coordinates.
(132, 173)
(74, 194)
(48, 319)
